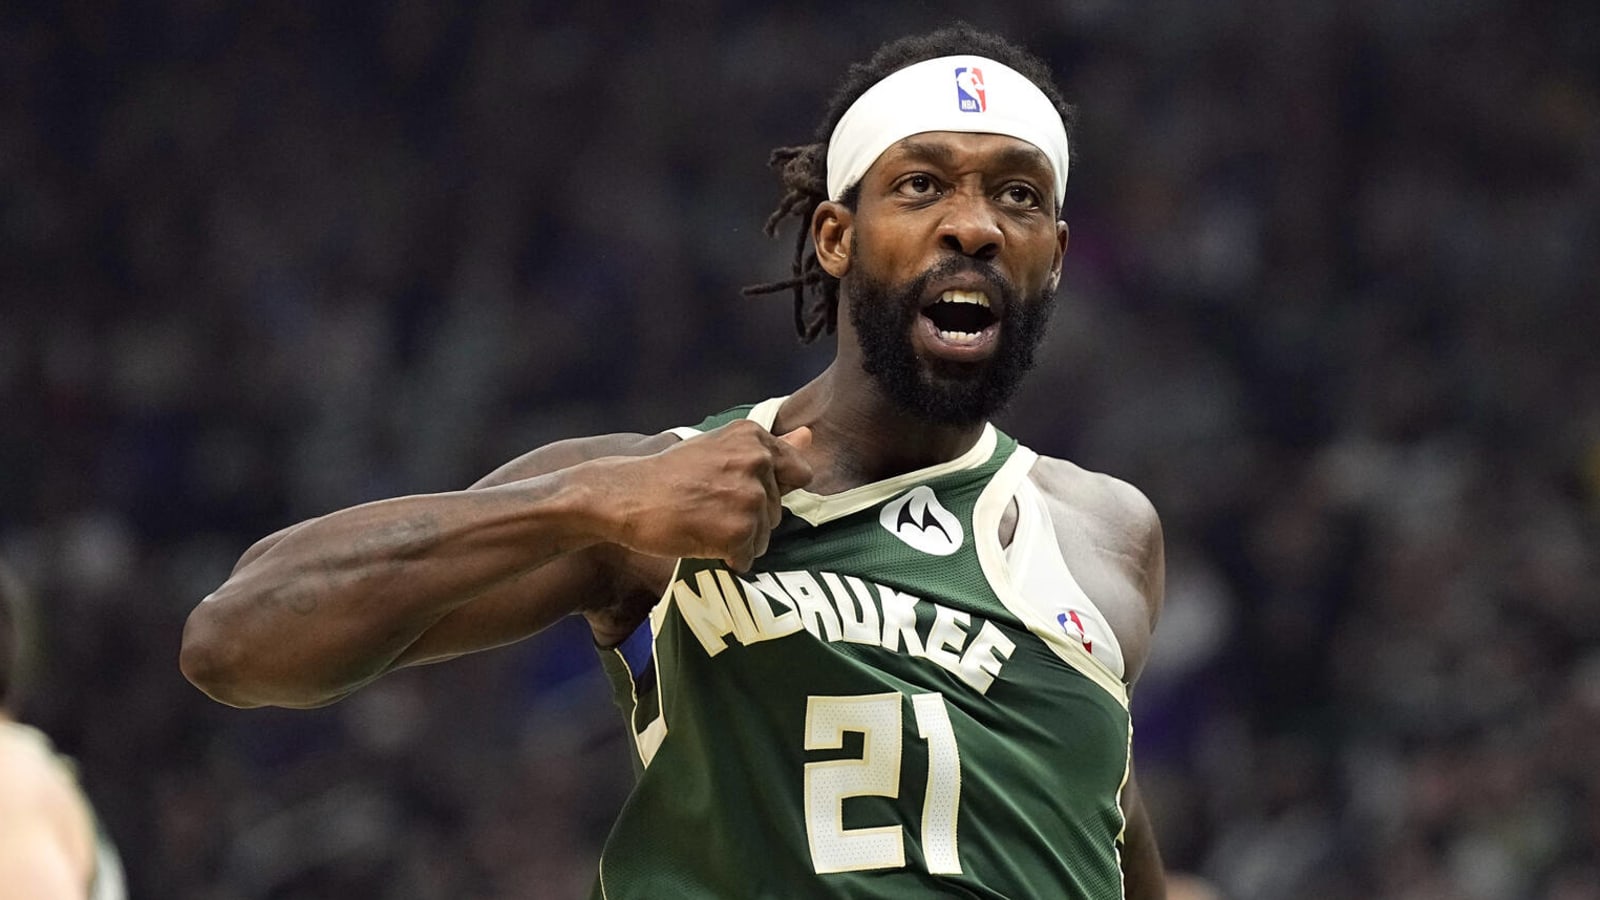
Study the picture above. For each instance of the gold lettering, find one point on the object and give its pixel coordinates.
(772, 605)
(705, 611)
(760, 593)
(816, 613)
(899, 620)
(744, 628)
(946, 637)
(862, 628)
(980, 665)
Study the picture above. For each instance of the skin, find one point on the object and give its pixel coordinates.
(46, 835)
(594, 525)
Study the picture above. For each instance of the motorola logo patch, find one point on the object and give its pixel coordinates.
(917, 518)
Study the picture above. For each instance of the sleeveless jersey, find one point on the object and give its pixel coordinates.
(877, 709)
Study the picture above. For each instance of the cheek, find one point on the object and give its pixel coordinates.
(883, 251)
(1039, 256)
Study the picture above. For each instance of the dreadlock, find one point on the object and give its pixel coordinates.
(803, 169)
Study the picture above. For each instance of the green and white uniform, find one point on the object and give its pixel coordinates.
(888, 705)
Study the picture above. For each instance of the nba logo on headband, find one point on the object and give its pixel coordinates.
(916, 100)
(970, 94)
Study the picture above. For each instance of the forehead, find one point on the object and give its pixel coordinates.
(967, 151)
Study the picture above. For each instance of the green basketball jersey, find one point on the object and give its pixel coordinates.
(874, 710)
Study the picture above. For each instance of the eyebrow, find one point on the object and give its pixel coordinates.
(1011, 157)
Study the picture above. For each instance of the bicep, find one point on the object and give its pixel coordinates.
(565, 454)
(583, 580)
(1154, 568)
(541, 461)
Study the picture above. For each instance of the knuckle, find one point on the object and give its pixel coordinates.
(741, 428)
(736, 532)
(752, 497)
(741, 460)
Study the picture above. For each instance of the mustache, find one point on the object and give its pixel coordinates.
(1000, 288)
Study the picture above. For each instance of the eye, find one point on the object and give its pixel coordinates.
(1021, 196)
(918, 185)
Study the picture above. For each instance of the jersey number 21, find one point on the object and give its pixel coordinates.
(878, 717)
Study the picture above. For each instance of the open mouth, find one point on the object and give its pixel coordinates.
(961, 318)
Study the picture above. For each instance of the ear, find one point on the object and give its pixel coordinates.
(830, 234)
(1062, 235)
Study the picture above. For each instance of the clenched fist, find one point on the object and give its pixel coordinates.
(717, 495)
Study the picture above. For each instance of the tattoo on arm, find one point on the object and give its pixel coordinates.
(298, 596)
(382, 551)
(399, 542)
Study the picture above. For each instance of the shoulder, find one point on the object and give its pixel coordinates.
(1111, 538)
(1121, 510)
(566, 453)
(40, 803)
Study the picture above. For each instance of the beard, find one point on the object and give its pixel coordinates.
(938, 391)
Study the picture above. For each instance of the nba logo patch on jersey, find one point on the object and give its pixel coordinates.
(1073, 626)
(917, 518)
(970, 93)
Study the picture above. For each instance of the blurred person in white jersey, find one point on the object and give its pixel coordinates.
(52, 846)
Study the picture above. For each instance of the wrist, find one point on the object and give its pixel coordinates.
(591, 497)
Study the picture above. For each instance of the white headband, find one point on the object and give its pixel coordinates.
(951, 93)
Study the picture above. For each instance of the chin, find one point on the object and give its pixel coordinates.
(939, 390)
(960, 399)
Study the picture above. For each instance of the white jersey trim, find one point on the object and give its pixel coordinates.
(1036, 611)
(648, 740)
(819, 508)
(1039, 571)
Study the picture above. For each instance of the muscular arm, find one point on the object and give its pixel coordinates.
(312, 613)
(333, 603)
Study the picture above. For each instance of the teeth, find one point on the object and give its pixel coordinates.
(958, 337)
(974, 297)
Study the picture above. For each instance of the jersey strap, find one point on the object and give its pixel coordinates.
(1037, 611)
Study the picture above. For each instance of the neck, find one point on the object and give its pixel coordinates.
(860, 436)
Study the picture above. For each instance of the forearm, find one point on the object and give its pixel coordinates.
(329, 605)
(315, 611)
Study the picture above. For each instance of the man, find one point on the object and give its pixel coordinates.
(868, 645)
(51, 847)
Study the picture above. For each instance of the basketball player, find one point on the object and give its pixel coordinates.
(51, 846)
(868, 645)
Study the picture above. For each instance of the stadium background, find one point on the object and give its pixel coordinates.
(1332, 300)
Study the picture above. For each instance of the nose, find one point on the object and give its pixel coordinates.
(970, 227)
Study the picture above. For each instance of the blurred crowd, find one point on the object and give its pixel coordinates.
(1332, 300)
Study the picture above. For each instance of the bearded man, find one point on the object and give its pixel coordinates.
(868, 645)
